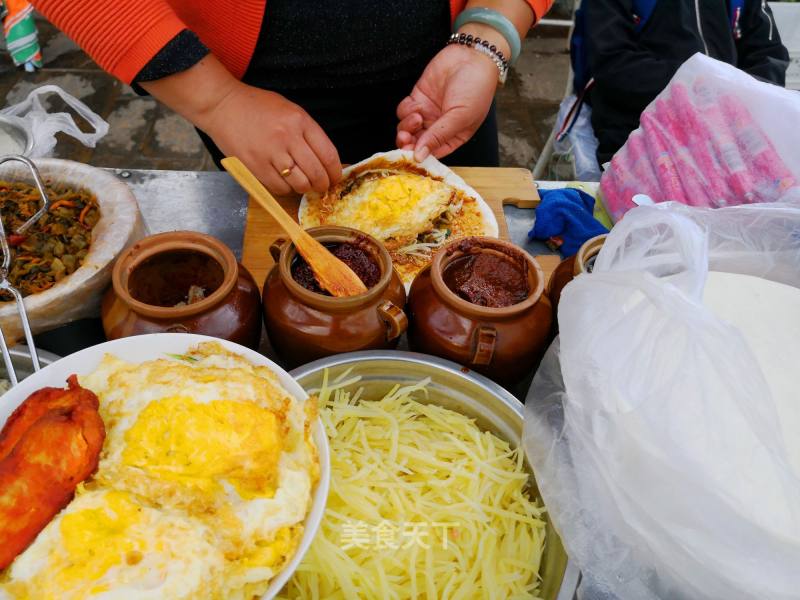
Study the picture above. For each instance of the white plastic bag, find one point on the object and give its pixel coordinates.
(651, 429)
(714, 137)
(42, 126)
(579, 141)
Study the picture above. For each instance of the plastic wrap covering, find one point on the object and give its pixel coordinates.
(714, 137)
(651, 427)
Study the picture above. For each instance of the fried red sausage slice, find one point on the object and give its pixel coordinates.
(48, 446)
(37, 405)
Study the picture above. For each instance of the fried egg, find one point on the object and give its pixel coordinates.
(111, 545)
(412, 208)
(211, 435)
(205, 478)
(395, 205)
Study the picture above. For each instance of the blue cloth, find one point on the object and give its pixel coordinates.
(569, 214)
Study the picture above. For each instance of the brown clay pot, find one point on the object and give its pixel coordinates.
(304, 326)
(502, 343)
(571, 267)
(562, 275)
(155, 274)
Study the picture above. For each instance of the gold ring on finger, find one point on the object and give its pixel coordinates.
(287, 171)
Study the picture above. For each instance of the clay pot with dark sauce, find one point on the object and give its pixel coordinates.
(184, 282)
(304, 325)
(505, 333)
(572, 266)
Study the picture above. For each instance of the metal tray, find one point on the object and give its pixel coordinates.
(452, 386)
(21, 359)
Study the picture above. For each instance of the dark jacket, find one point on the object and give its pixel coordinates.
(630, 68)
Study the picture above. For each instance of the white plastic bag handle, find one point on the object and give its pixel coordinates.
(661, 242)
(44, 125)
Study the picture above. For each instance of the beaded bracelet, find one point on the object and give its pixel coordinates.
(484, 47)
(497, 21)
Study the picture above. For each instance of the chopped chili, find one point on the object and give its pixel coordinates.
(84, 212)
(60, 203)
(15, 239)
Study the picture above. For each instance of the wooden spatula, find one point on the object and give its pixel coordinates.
(332, 273)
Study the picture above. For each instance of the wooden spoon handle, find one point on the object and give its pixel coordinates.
(260, 194)
(332, 274)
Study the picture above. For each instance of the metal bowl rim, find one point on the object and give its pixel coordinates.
(21, 359)
(416, 358)
(45, 357)
(569, 578)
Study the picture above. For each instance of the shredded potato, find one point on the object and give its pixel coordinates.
(437, 237)
(422, 504)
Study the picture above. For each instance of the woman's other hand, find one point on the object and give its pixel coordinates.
(455, 92)
(448, 103)
(267, 132)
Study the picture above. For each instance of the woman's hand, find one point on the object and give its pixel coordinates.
(448, 103)
(263, 129)
(269, 134)
(453, 96)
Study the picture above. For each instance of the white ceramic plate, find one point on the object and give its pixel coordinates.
(433, 167)
(150, 347)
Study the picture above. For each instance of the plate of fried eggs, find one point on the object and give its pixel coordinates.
(212, 479)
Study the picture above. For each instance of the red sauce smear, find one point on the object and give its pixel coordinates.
(358, 259)
(487, 279)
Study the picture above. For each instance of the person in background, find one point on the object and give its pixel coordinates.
(294, 87)
(632, 60)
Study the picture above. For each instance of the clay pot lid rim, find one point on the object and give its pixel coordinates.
(450, 252)
(174, 241)
(335, 233)
(590, 248)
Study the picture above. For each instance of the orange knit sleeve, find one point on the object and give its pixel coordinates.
(540, 7)
(121, 36)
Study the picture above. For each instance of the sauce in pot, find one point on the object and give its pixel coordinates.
(175, 278)
(354, 256)
(487, 279)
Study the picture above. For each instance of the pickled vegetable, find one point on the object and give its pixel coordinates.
(56, 245)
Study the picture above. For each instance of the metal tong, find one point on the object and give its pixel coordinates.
(5, 284)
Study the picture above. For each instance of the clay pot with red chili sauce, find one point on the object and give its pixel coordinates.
(182, 282)
(481, 304)
(305, 323)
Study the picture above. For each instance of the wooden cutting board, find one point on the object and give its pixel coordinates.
(498, 186)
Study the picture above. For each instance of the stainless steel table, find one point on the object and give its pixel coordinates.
(206, 201)
(211, 202)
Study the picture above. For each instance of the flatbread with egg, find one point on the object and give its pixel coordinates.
(412, 208)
